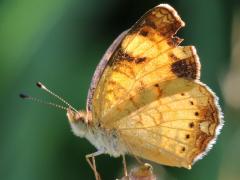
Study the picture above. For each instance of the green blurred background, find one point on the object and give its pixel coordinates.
(60, 42)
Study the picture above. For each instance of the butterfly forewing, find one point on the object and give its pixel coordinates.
(147, 46)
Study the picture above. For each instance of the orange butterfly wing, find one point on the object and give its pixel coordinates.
(150, 94)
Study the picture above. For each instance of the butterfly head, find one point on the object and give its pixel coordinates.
(78, 121)
(76, 116)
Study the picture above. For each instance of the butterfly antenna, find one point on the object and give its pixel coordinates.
(43, 87)
(24, 96)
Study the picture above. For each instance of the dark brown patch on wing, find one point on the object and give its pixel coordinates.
(163, 20)
(144, 32)
(210, 114)
(186, 68)
(120, 55)
(170, 29)
(202, 140)
(140, 60)
(149, 22)
(123, 56)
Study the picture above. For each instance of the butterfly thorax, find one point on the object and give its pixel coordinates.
(104, 140)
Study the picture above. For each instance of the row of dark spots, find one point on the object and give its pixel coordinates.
(191, 102)
(191, 125)
(187, 136)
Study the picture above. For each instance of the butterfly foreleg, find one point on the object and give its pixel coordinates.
(92, 163)
(124, 166)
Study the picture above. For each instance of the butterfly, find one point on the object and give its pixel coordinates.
(146, 98)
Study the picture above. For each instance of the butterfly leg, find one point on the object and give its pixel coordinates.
(92, 163)
(124, 166)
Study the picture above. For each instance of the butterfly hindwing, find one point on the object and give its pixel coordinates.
(176, 127)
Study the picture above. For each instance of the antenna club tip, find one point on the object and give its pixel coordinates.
(23, 96)
(40, 85)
